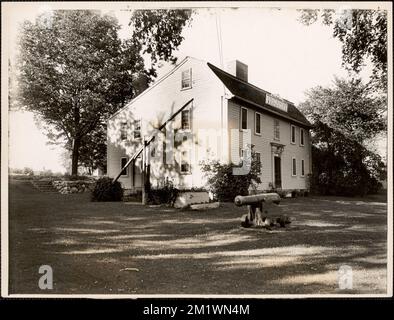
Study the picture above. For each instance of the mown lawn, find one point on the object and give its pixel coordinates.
(132, 249)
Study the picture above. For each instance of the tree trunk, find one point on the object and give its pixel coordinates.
(75, 157)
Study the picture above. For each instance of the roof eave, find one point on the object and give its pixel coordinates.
(308, 125)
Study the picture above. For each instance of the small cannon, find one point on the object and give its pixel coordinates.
(258, 205)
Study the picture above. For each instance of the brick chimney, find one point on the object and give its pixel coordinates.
(238, 69)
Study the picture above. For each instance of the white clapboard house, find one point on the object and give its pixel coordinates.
(199, 112)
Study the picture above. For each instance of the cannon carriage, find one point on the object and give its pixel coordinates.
(263, 210)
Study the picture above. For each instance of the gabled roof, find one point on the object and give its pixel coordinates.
(253, 95)
(152, 86)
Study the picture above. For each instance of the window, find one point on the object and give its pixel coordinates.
(301, 137)
(123, 162)
(258, 159)
(276, 129)
(137, 129)
(185, 119)
(302, 168)
(187, 79)
(257, 121)
(244, 118)
(292, 134)
(293, 167)
(185, 162)
(123, 131)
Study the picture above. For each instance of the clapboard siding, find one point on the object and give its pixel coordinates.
(155, 106)
(262, 144)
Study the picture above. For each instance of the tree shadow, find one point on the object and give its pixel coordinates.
(205, 252)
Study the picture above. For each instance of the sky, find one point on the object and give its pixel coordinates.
(283, 56)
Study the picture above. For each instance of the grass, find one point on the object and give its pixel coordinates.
(128, 248)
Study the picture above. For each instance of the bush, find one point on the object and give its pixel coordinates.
(106, 190)
(224, 184)
(164, 195)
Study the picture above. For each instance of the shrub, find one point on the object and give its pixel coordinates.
(107, 190)
(224, 184)
(164, 195)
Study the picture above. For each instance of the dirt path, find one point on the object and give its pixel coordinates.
(127, 248)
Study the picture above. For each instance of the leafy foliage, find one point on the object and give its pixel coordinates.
(74, 72)
(349, 107)
(345, 117)
(164, 195)
(363, 34)
(160, 32)
(93, 152)
(12, 89)
(106, 190)
(224, 184)
(343, 166)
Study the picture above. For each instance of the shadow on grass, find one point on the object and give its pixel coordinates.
(206, 252)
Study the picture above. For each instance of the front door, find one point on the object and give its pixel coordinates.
(278, 175)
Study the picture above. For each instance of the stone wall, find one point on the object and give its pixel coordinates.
(77, 186)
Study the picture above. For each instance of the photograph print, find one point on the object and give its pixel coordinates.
(169, 149)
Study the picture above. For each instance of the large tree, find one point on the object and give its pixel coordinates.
(346, 116)
(363, 34)
(74, 72)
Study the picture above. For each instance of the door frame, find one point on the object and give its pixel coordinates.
(280, 171)
(276, 151)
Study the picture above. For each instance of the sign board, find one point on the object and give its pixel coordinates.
(275, 102)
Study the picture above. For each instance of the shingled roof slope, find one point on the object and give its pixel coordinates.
(252, 94)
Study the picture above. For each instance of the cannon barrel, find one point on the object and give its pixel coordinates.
(257, 198)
